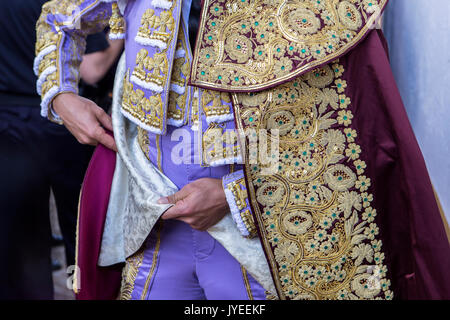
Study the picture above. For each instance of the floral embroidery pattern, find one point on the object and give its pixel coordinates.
(160, 68)
(315, 215)
(251, 44)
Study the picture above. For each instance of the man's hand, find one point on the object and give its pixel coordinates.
(84, 119)
(201, 204)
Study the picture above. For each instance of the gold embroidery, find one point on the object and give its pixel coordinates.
(271, 296)
(144, 142)
(150, 72)
(129, 274)
(49, 44)
(158, 150)
(314, 213)
(213, 103)
(180, 93)
(247, 284)
(147, 110)
(240, 196)
(249, 222)
(148, 20)
(250, 45)
(154, 261)
(219, 145)
(194, 110)
(116, 22)
(156, 30)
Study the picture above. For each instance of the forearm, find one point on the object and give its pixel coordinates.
(95, 65)
(61, 32)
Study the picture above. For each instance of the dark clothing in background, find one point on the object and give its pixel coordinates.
(96, 42)
(35, 156)
(194, 21)
(17, 48)
(100, 93)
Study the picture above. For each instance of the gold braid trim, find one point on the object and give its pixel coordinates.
(129, 274)
(247, 283)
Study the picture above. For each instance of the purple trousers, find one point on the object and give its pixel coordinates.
(178, 262)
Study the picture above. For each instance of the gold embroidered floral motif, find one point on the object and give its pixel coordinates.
(180, 93)
(156, 30)
(315, 215)
(153, 69)
(249, 45)
(116, 22)
(150, 72)
(147, 110)
(213, 103)
(219, 145)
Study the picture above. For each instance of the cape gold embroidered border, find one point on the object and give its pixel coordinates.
(314, 214)
(249, 45)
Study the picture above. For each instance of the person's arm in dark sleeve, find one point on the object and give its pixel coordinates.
(99, 59)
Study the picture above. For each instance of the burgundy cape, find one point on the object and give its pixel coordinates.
(415, 243)
(95, 283)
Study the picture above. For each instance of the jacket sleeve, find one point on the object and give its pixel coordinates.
(61, 41)
(237, 198)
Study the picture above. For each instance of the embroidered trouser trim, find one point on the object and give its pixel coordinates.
(181, 263)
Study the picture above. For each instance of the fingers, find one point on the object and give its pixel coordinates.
(176, 197)
(174, 212)
(108, 141)
(104, 118)
(100, 134)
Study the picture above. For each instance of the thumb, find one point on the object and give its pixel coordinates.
(174, 198)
